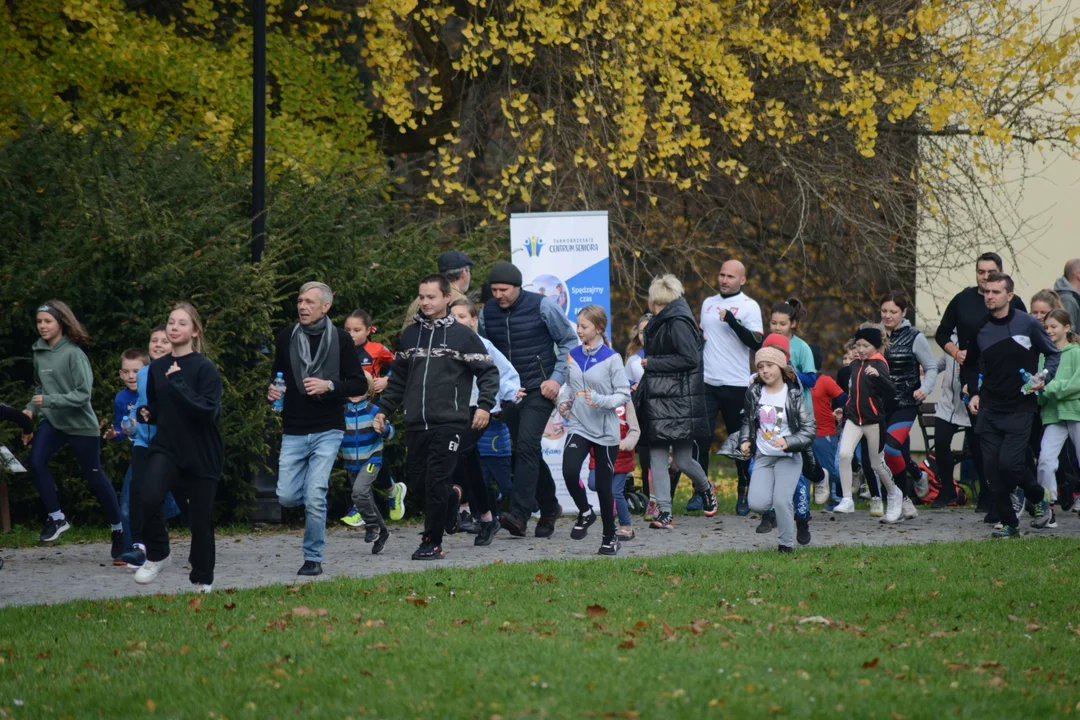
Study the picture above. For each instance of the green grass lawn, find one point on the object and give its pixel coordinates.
(970, 629)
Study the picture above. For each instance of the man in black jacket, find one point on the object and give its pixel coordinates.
(431, 378)
(321, 368)
(963, 315)
(1006, 343)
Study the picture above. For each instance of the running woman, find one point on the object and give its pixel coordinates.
(1043, 302)
(778, 423)
(870, 388)
(64, 384)
(913, 371)
(596, 386)
(183, 395)
(1060, 410)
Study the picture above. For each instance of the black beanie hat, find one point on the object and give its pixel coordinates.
(505, 273)
(870, 335)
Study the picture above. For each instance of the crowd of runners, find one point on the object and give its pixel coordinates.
(476, 377)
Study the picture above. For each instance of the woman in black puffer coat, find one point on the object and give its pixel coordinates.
(672, 395)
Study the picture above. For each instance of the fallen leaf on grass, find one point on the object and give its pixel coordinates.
(195, 603)
(150, 705)
(542, 578)
(668, 630)
(461, 621)
(596, 610)
(230, 606)
(643, 570)
(417, 601)
(1032, 627)
(870, 664)
(379, 646)
(627, 644)
(305, 611)
(489, 603)
(815, 619)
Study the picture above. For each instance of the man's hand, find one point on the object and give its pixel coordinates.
(919, 395)
(973, 405)
(1037, 387)
(550, 389)
(380, 384)
(644, 363)
(315, 386)
(273, 394)
(480, 419)
(722, 313)
(144, 413)
(961, 356)
(521, 393)
(38, 399)
(378, 423)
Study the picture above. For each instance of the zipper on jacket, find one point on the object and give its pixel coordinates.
(858, 386)
(427, 364)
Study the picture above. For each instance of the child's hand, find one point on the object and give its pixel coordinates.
(174, 368)
(111, 434)
(919, 395)
(521, 393)
(780, 443)
(144, 413)
(564, 409)
(872, 371)
(38, 399)
(380, 384)
(745, 448)
(378, 423)
(838, 414)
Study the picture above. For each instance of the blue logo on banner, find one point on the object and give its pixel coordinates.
(534, 245)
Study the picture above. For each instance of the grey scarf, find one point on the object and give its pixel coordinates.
(325, 364)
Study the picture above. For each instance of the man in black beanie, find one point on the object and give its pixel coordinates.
(532, 331)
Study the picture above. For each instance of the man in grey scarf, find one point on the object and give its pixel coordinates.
(321, 368)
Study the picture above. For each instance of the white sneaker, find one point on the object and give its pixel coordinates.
(894, 506)
(922, 485)
(846, 505)
(821, 491)
(876, 508)
(204, 589)
(150, 569)
(907, 509)
(864, 492)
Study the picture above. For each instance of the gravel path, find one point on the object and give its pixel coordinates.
(47, 575)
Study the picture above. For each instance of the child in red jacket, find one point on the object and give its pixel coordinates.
(629, 432)
(869, 389)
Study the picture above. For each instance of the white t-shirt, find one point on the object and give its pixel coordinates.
(634, 371)
(772, 421)
(727, 360)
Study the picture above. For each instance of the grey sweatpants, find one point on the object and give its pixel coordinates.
(683, 456)
(772, 485)
(362, 495)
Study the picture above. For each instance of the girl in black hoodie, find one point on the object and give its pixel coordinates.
(869, 388)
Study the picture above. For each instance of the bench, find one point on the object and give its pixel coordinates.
(962, 457)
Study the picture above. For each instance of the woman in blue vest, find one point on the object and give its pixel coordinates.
(913, 370)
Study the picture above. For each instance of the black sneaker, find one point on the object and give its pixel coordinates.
(513, 524)
(468, 524)
(991, 517)
(1041, 515)
(545, 526)
(802, 531)
(487, 532)
(708, 501)
(768, 522)
(1053, 519)
(942, 502)
(310, 568)
(664, 521)
(428, 550)
(742, 505)
(53, 529)
(370, 533)
(610, 546)
(1008, 532)
(380, 542)
(118, 547)
(581, 527)
(785, 549)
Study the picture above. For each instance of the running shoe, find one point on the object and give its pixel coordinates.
(513, 524)
(380, 542)
(802, 531)
(831, 507)
(864, 493)
(1017, 500)
(150, 570)
(353, 518)
(922, 485)
(768, 522)
(708, 500)
(877, 508)
(893, 506)
(1007, 532)
(54, 529)
(907, 509)
(785, 549)
(846, 506)
(370, 533)
(625, 533)
(581, 527)
(428, 550)
(468, 524)
(1042, 515)
(310, 568)
(663, 522)
(742, 505)
(203, 589)
(397, 501)
(545, 526)
(134, 558)
(1053, 518)
(652, 510)
(695, 504)
(610, 546)
(487, 532)
(821, 491)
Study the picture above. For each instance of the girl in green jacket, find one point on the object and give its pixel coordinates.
(63, 385)
(1060, 403)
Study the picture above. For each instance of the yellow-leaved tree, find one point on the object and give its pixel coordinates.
(186, 67)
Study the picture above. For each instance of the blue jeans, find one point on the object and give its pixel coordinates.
(618, 489)
(171, 509)
(497, 471)
(304, 466)
(826, 450)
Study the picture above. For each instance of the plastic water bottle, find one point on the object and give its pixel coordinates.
(128, 425)
(279, 383)
(1032, 380)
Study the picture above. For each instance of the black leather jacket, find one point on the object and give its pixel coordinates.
(800, 417)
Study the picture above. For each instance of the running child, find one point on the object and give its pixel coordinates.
(1060, 411)
(64, 384)
(630, 434)
(950, 417)
(596, 385)
(122, 430)
(778, 425)
(870, 388)
(635, 353)
(362, 447)
(183, 394)
(826, 444)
